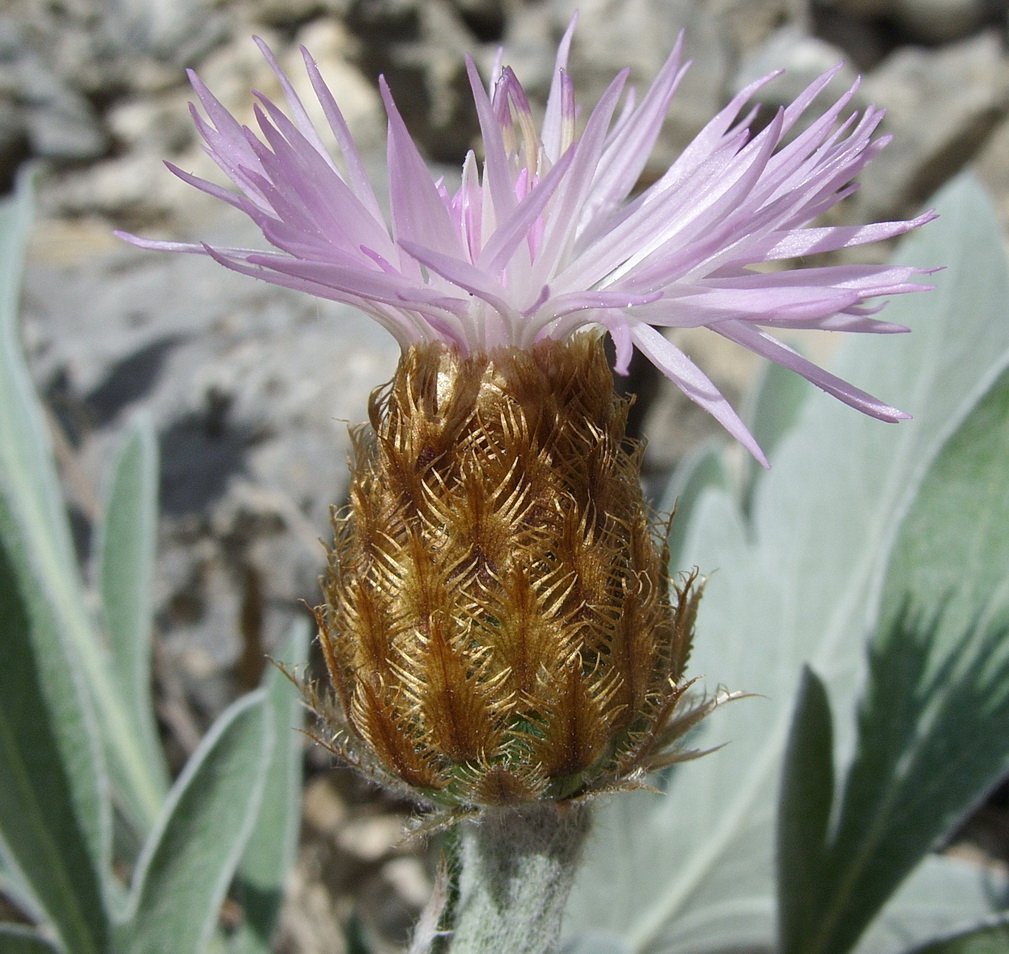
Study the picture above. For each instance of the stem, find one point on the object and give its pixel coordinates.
(518, 865)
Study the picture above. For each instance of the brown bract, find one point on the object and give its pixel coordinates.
(499, 625)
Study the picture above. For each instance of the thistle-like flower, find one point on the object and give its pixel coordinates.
(512, 632)
(498, 624)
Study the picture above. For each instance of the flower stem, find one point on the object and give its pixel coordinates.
(518, 865)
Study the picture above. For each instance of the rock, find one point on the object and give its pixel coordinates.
(917, 21)
(285, 13)
(802, 57)
(613, 34)
(14, 145)
(485, 18)
(336, 51)
(940, 21)
(159, 124)
(866, 41)
(420, 48)
(750, 22)
(134, 190)
(858, 9)
(42, 110)
(962, 89)
(177, 32)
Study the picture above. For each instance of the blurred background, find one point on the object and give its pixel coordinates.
(251, 387)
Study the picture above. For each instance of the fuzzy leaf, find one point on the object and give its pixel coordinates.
(25, 447)
(127, 546)
(189, 860)
(952, 555)
(807, 794)
(934, 723)
(54, 815)
(591, 942)
(30, 486)
(269, 854)
(799, 581)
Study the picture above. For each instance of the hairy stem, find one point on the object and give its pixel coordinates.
(518, 865)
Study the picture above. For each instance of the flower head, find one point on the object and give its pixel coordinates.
(545, 235)
(499, 625)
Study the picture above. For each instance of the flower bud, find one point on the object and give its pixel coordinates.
(498, 624)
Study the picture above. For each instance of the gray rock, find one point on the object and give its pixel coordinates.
(420, 49)
(285, 13)
(749, 23)
(858, 9)
(941, 106)
(165, 29)
(613, 34)
(940, 21)
(924, 21)
(40, 108)
(802, 57)
(133, 188)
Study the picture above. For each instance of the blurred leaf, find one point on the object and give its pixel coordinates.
(940, 895)
(30, 487)
(595, 942)
(54, 817)
(807, 794)
(187, 864)
(796, 581)
(699, 470)
(15, 888)
(772, 412)
(126, 554)
(934, 724)
(991, 939)
(15, 939)
(270, 852)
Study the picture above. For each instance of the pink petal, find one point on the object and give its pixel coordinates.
(676, 366)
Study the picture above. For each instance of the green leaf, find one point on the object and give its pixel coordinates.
(934, 724)
(188, 862)
(126, 551)
(796, 580)
(931, 743)
(54, 815)
(16, 889)
(990, 939)
(15, 939)
(807, 795)
(270, 852)
(953, 551)
(30, 487)
(25, 446)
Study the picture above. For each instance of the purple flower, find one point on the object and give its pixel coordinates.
(546, 235)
